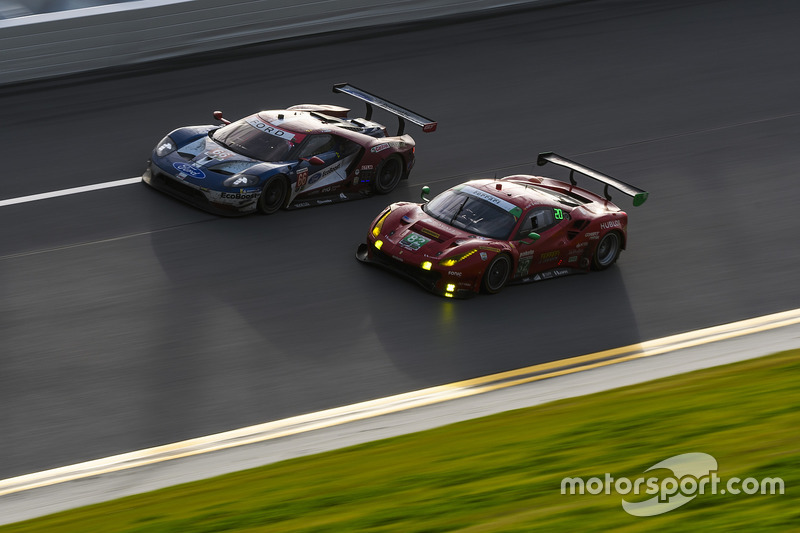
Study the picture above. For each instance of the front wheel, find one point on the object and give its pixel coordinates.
(496, 274)
(607, 252)
(389, 174)
(273, 195)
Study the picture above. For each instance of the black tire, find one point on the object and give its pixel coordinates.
(607, 251)
(273, 195)
(389, 174)
(497, 274)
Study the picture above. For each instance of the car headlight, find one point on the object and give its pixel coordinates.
(376, 230)
(165, 147)
(450, 261)
(238, 181)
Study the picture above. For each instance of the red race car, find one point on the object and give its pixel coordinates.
(483, 234)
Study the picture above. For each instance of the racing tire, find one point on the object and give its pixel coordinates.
(497, 274)
(273, 195)
(389, 174)
(607, 251)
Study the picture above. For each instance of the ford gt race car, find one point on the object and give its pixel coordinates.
(304, 155)
(485, 233)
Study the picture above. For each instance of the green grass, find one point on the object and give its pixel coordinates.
(503, 472)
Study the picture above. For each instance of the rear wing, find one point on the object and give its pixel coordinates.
(639, 196)
(402, 113)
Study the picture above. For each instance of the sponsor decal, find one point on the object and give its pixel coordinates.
(379, 148)
(322, 173)
(302, 178)
(611, 224)
(454, 273)
(320, 202)
(572, 259)
(492, 199)
(189, 170)
(398, 258)
(414, 241)
(238, 196)
(593, 235)
(484, 256)
(268, 128)
(343, 196)
(489, 249)
(527, 253)
(549, 256)
(432, 233)
(556, 272)
(366, 167)
(302, 204)
(582, 245)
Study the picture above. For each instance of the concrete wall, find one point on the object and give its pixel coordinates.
(55, 44)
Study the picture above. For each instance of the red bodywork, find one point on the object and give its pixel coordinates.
(452, 262)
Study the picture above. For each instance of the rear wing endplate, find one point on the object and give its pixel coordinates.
(639, 196)
(402, 113)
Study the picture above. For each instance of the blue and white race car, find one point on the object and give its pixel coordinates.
(307, 154)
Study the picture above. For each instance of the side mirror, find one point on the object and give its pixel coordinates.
(425, 191)
(533, 236)
(314, 160)
(218, 116)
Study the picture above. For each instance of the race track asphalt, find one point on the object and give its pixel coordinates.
(129, 320)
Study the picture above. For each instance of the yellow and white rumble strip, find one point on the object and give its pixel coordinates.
(393, 404)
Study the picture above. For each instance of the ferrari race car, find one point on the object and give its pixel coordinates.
(485, 233)
(304, 155)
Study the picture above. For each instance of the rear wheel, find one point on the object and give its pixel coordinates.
(389, 174)
(273, 196)
(496, 274)
(607, 252)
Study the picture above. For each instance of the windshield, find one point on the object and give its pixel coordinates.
(474, 211)
(257, 139)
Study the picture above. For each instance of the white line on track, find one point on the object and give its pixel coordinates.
(67, 192)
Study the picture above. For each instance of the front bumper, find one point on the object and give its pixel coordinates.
(432, 280)
(205, 199)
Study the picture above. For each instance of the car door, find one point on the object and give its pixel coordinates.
(324, 164)
(550, 250)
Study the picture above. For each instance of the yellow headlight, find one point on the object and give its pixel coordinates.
(426, 265)
(450, 261)
(379, 224)
(378, 244)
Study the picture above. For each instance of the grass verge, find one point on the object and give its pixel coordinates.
(504, 472)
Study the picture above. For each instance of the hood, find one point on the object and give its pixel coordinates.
(205, 153)
(419, 234)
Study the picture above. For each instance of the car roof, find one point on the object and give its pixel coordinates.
(525, 191)
(305, 122)
(518, 194)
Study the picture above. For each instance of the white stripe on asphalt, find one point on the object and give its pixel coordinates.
(67, 192)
